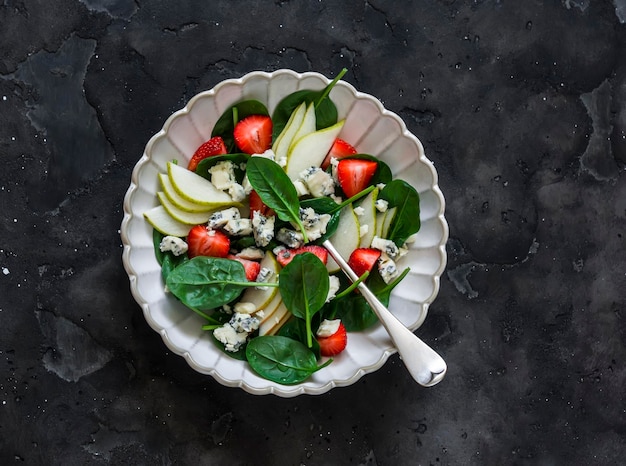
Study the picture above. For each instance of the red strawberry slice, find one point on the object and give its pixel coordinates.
(252, 268)
(257, 204)
(363, 260)
(205, 242)
(214, 146)
(253, 134)
(339, 150)
(334, 344)
(354, 175)
(286, 255)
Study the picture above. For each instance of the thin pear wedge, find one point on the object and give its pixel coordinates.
(346, 239)
(369, 218)
(274, 320)
(389, 215)
(311, 150)
(176, 199)
(164, 223)
(182, 216)
(197, 189)
(284, 139)
(307, 126)
(262, 297)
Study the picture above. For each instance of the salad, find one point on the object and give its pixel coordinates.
(239, 233)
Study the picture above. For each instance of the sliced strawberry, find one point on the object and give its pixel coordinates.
(205, 242)
(214, 146)
(363, 260)
(257, 204)
(339, 150)
(286, 255)
(354, 175)
(334, 344)
(253, 134)
(252, 268)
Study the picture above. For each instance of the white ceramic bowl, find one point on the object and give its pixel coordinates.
(371, 129)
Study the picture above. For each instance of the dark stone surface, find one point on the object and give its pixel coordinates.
(521, 105)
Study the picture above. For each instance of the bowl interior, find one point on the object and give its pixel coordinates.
(371, 129)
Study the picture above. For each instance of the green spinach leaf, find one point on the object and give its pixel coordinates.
(304, 287)
(206, 283)
(275, 189)
(406, 200)
(281, 359)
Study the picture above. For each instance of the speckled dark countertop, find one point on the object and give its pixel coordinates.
(522, 108)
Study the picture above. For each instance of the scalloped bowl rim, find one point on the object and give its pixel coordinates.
(270, 387)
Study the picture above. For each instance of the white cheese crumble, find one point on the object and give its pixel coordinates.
(363, 230)
(301, 188)
(318, 182)
(222, 175)
(328, 328)
(387, 268)
(176, 245)
(381, 205)
(234, 333)
(291, 238)
(386, 246)
(239, 226)
(251, 253)
(262, 228)
(359, 211)
(263, 277)
(222, 217)
(223, 178)
(314, 224)
(333, 287)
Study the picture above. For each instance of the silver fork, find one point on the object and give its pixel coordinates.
(423, 363)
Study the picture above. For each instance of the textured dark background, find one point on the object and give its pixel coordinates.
(520, 104)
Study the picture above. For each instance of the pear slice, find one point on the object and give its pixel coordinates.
(368, 218)
(268, 324)
(197, 189)
(182, 216)
(274, 330)
(346, 239)
(164, 223)
(311, 150)
(176, 199)
(306, 127)
(261, 298)
(283, 141)
(380, 219)
(389, 215)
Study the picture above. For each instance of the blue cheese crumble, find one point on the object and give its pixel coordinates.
(263, 277)
(318, 182)
(314, 224)
(223, 178)
(293, 239)
(174, 244)
(262, 228)
(222, 217)
(238, 226)
(235, 332)
(381, 205)
(387, 268)
(386, 246)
